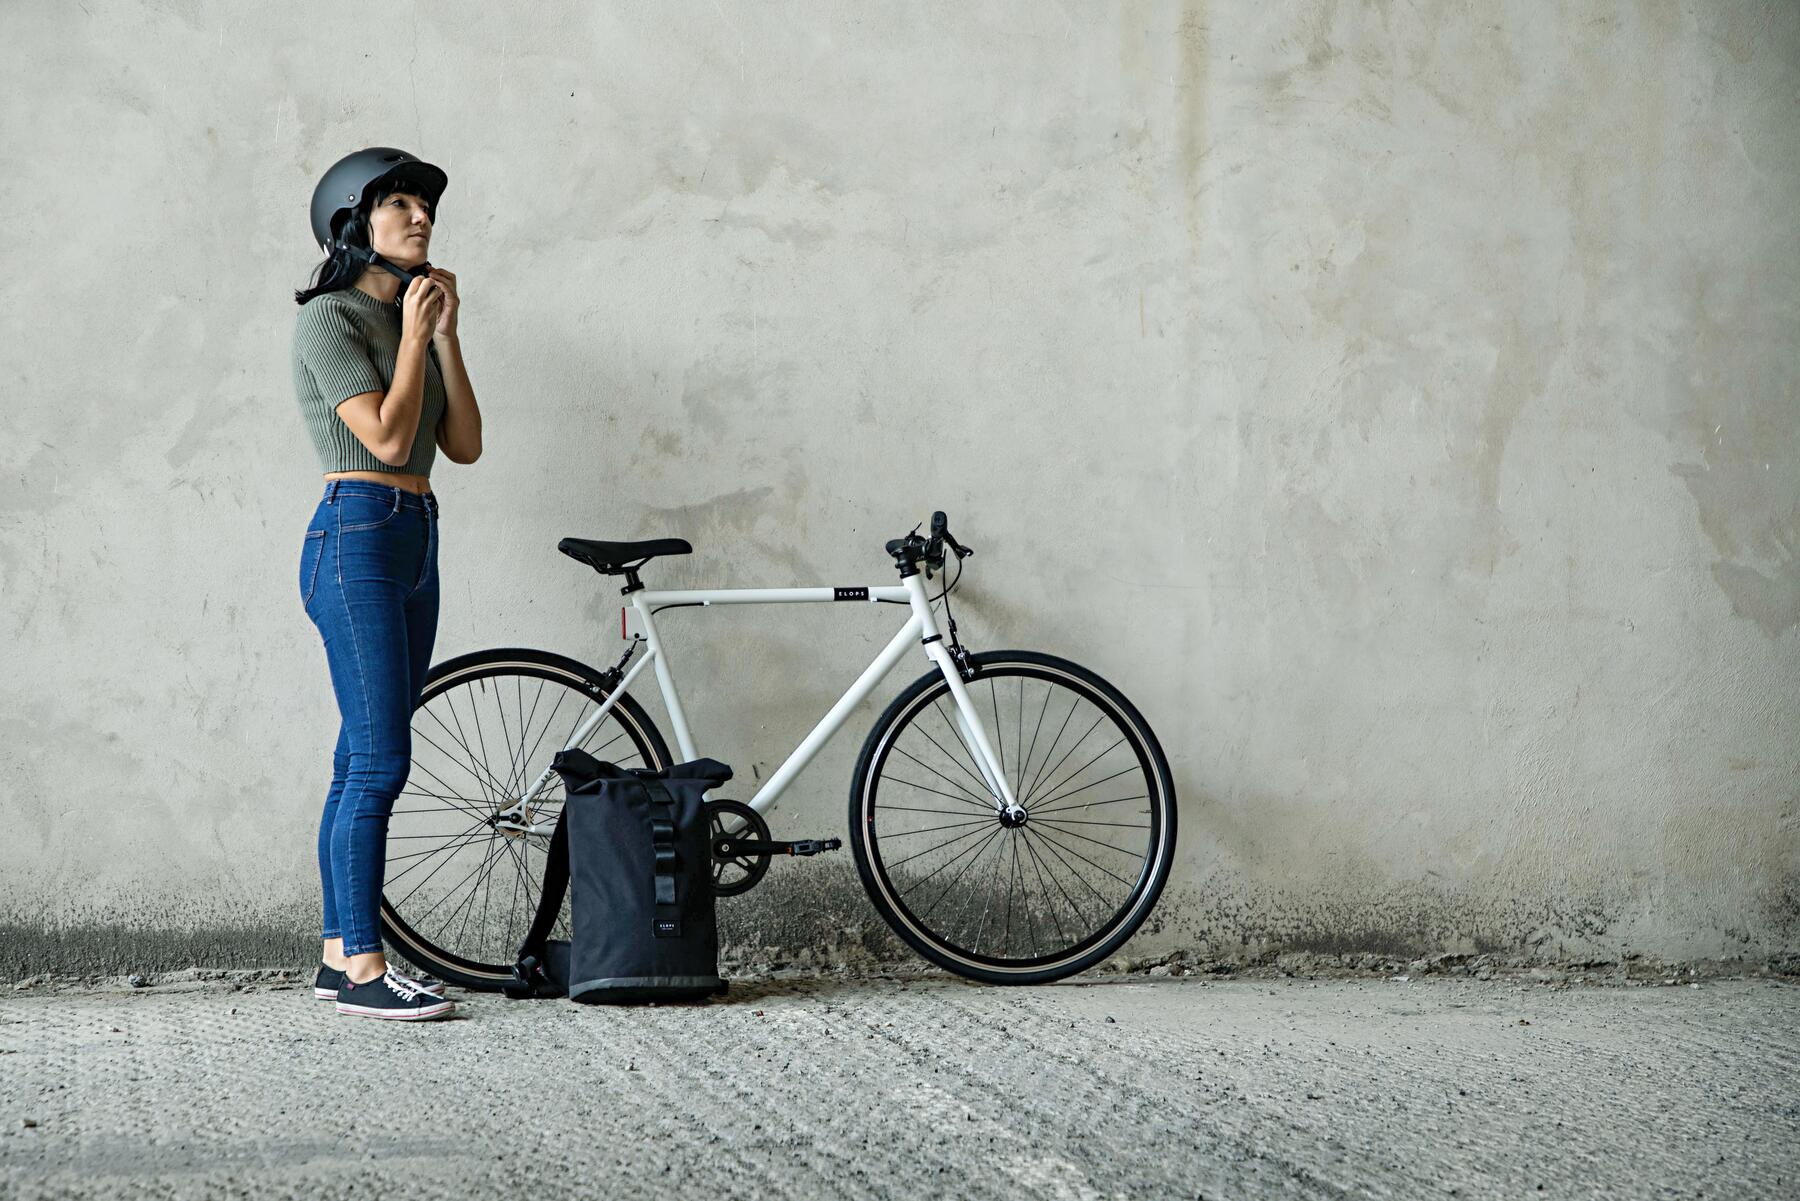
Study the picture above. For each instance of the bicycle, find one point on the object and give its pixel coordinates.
(921, 772)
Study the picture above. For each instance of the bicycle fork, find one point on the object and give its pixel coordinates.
(968, 718)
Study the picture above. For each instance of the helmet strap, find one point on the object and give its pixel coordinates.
(369, 257)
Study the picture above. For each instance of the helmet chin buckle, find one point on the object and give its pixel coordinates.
(372, 258)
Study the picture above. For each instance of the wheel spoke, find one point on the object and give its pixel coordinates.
(500, 788)
(934, 829)
(1060, 796)
(988, 904)
(1012, 875)
(423, 857)
(484, 807)
(940, 812)
(429, 852)
(1119, 800)
(1069, 821)
(983, 795)
(1073, 747)
(985, 806)
(462, 739)
(994, 833)
(456, 737)
(481, 740)
(1045, 835)
(466, 805)
(506, 733)
(454, 889)
(1054, 743)
(550, 717)
(1037, 866)
(1083, 880)
(1097, 842)
(1042, 709)
(940, 846)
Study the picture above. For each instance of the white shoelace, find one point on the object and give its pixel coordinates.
(405, 987)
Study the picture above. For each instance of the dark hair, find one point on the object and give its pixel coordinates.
(346, 262)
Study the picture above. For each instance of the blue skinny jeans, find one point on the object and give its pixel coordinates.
(369, 582)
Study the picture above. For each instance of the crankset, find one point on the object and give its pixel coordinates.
(741, 854)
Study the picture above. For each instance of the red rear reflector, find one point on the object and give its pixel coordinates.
(621, 621)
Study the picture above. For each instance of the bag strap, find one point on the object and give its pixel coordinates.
(666, 921)
(526, 975)
(576, 767)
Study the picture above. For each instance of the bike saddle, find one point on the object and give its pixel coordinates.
(613, 558)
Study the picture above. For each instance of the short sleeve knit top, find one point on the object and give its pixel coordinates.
(345, 343)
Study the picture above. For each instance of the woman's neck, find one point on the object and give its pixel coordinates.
(382, 285)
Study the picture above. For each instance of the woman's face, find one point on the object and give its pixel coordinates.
(400, 229)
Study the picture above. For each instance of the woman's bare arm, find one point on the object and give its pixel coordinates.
(459, 430)
(387, 422)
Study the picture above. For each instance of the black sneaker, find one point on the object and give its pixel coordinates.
(327, 982)
(390, 995)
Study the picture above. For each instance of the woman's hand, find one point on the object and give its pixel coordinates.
(446, 323)
(422, 308)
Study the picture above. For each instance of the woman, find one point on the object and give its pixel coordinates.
(379, 374)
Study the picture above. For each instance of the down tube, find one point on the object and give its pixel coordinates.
(829, 724)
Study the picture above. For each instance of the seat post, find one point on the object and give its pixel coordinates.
(632, 583)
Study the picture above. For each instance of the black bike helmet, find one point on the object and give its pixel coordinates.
(354, 175)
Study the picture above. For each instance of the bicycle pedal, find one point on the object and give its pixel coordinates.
(812, 846)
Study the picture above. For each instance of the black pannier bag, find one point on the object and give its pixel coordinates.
(636, 849)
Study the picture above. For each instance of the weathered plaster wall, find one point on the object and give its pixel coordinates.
(1398, 402)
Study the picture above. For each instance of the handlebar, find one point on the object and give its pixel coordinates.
(911, 550)
(940, 529)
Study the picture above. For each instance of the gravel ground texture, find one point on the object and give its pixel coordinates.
(902, 1085)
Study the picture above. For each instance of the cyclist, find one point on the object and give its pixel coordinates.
(379, 376)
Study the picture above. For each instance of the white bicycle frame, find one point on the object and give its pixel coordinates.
(921, 627)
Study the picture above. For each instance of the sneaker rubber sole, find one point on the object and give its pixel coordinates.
(420, 1014)
(330, 994)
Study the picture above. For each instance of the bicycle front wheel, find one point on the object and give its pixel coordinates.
(465, 856)
(1012, 900)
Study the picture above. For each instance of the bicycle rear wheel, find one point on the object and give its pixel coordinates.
(1014, 901)
(463, 882)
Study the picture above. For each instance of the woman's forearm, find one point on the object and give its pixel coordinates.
(405, 398)
(459, 430)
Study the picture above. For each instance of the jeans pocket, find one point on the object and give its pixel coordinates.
(311, 551)
(357, 511)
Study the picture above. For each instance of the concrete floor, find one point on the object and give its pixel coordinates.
(832, 1087)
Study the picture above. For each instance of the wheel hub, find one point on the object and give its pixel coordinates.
(1012, 818)
(510, 825)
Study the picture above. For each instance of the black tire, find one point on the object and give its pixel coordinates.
(484, 961)
(1057, 839)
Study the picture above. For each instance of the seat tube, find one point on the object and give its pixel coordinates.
(665, 680)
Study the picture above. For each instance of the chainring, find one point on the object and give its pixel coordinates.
(728, 821)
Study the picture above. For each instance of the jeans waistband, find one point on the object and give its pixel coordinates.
(423, 502)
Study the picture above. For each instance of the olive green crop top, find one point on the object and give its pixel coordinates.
(345, 343)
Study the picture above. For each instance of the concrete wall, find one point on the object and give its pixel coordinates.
(1398, 401)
